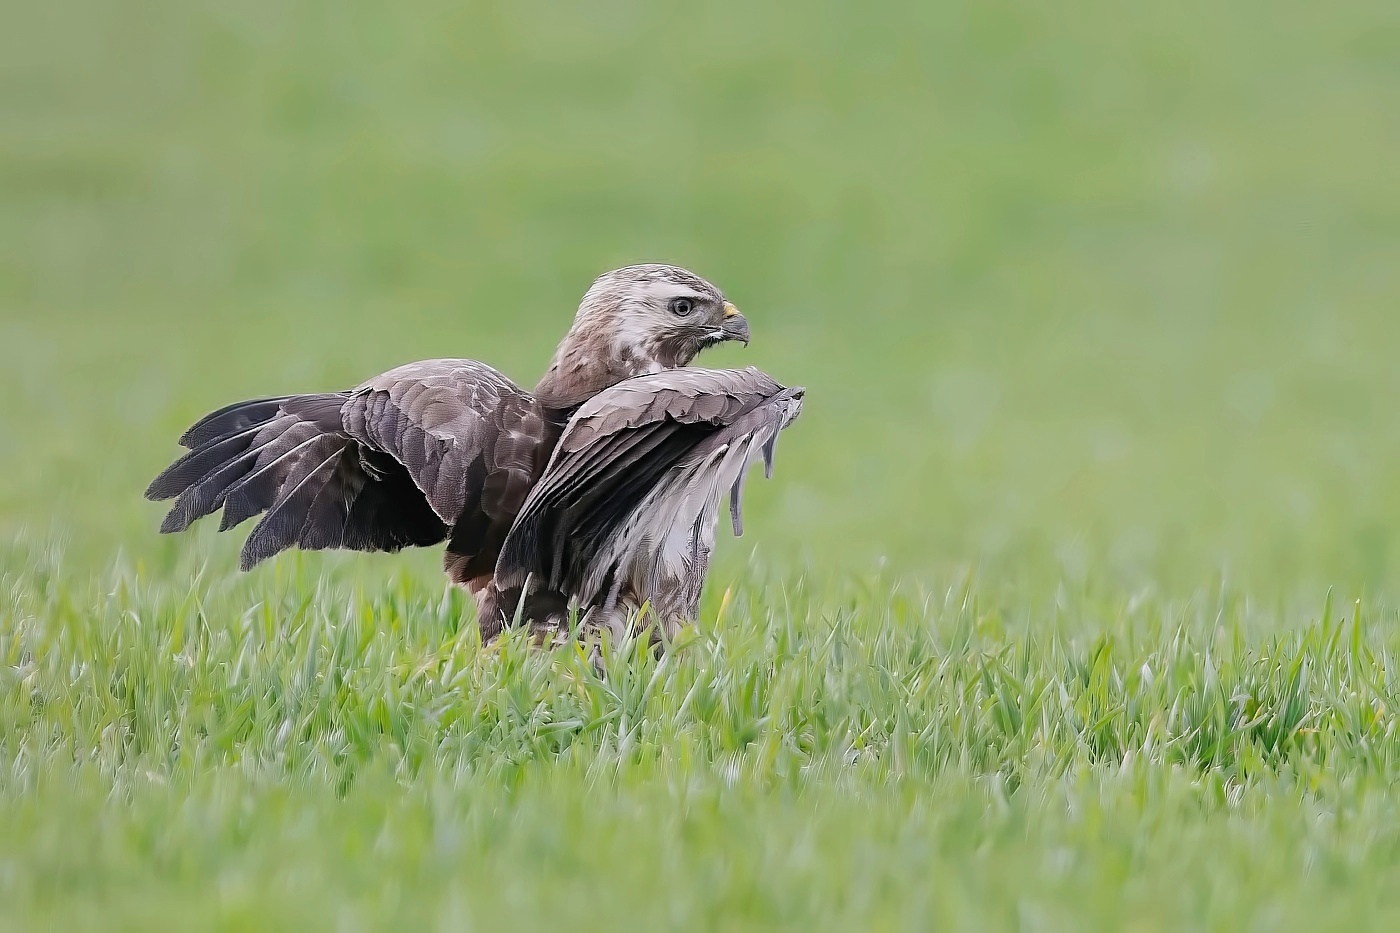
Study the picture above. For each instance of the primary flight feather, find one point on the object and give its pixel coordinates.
(597, 492)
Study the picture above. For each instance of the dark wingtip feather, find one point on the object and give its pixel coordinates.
(188, 509)
(199, 464)
(165, 486)
(237, 510)
(175, 521)
(259, 490)
(231, 419)
(247, 559)
(282, 526)
(267, 539)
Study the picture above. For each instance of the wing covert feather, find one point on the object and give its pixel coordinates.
(471, 440)
(637, 477)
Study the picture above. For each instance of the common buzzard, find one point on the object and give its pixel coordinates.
(595, 493)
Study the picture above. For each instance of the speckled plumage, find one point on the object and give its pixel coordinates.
(620, 512)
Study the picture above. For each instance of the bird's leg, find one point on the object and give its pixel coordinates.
(632, 615)
(545, 614)
(491, 605)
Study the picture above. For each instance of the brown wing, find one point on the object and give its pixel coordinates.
(423, 451)
(635, 481)
(472, 441)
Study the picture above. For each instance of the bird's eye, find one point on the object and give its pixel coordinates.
(681, 307)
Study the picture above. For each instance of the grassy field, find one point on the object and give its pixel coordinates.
(1073, 600)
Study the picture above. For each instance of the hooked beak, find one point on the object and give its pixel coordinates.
(736, 326)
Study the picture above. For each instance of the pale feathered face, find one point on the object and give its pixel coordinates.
(655, 317)
(633, 321)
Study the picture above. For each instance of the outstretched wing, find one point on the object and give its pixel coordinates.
(473, 442)
(426, 450)
(631, 495)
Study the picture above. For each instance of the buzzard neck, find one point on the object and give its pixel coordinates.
(573, 379)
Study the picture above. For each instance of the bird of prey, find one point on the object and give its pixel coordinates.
(591, 496)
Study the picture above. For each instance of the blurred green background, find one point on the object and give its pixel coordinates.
(1075, 288)
(1096, 306)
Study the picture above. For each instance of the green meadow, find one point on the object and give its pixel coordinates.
(1073, 603)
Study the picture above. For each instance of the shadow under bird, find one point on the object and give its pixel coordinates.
(594, 493)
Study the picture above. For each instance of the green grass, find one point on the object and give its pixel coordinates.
(1073, 601)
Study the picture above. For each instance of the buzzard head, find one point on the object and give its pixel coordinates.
(637, 320)
(659, 317)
